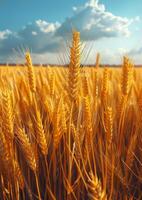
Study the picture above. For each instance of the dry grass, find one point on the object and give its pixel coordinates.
(71, 133)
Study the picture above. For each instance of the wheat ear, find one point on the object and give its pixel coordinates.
(31, 74)
(26, 147)
(95, 191)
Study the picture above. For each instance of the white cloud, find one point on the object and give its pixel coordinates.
(47, 27)
(95, 4)
(34, 33)
(4, 34)
(94, 22)
(37, 36)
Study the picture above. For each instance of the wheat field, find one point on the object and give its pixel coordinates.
(71, 133)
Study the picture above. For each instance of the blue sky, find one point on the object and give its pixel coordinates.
(111, 27)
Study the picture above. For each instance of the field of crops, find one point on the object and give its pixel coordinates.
(71, 133)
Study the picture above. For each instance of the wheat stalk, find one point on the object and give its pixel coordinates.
(74, 67)
(26, 147)
(31, 75)
(108, 121)
(7, 116)
(40, 133)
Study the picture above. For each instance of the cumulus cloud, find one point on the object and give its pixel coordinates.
(4, 34)
(94, 22)
(47, 27)
(43, 37)
(38, 37)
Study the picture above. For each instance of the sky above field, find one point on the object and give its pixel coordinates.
(111, 27)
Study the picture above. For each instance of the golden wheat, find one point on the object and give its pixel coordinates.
(58, 124)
